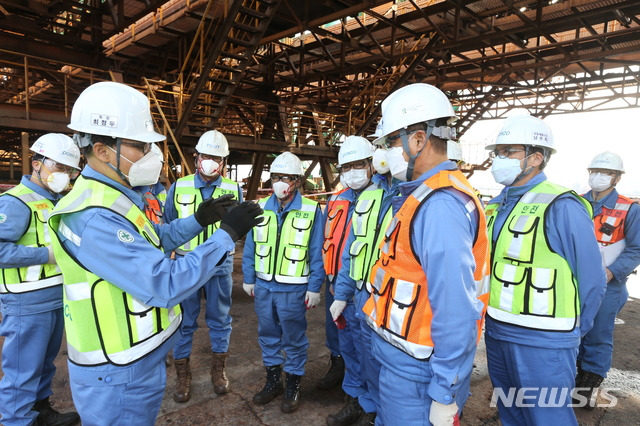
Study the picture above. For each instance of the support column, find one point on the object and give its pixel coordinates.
(26, 164)
(256, 174)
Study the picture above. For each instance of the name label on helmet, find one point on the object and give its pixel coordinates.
(540, 137)
(102, 120)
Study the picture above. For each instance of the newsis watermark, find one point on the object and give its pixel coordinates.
(550, 397)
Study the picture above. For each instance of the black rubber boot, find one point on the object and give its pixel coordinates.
(368, 419)
(291, 400)
(348, 415)
(49, 417)
(587, 386)
(272, 388)
(334, 375)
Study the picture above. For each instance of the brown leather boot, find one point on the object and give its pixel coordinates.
(218, 375)
(183, 380)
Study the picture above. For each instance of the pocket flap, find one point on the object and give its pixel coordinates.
(301, 224)
(357, 247)
(509, 274)
(523, 224)
(294, 254)
(404, 294)
(543, 278)
(263, 250)
(364, 206)
(186, 199)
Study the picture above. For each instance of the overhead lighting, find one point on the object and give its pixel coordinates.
(553, 2)
(523, 9)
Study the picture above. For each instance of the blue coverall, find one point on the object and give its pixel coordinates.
(443, 234)
(596, 348)
(217, 290)
(362, 369)
(524, 358)
(280, 308)
(112, 395)
(32, 322)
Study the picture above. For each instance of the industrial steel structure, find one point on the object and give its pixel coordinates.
(298, 75)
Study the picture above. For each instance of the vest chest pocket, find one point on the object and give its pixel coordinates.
(388, 247)
(522, 230)
(542, 292)
(186, 204)
(358, 253)
(361, 217)
(261, 231)
(299, 235)
(294, 258)
(510, 297)
(404, 296)
(142, 320)
(333, 218)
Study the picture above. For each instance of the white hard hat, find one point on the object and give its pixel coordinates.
(157, 151)
(412, 104)
(213, 143)
(607, 160)
(378, 132)
(113, 109)
(524, 130)
(454, 151)
(59, 148)
(287, 163)
(354, 148)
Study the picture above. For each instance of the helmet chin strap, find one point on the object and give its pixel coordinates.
(117, 167)
(405, 147)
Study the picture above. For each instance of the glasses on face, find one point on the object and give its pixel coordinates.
(359, 165)
(604, 172)
(282, 178)
(212, 157)
(141, 146)
(390, 141)
(504, 152)
(55, 167)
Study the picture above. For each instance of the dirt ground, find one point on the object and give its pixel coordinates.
(246, 374)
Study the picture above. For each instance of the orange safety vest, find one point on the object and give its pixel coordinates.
(335, 234)
(152, 208)
(398, 308)
(609, 224)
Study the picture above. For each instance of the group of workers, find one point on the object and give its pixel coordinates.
(414, 268)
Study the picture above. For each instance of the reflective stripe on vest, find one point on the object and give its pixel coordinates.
(281, 252)
(187, 198)
(33, 277)
(104, 324)
(364, 221)
(335, 234)
(152, 208)
(398, 308)
(609, 224)
(531, 286)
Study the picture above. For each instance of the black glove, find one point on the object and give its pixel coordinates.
(241, 219)
(213, 209)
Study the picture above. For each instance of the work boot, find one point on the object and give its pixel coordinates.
(218, 376)
(368, 419)
(183, 380)
(272, 388)
(291, 400)
(348, 415)
(48, 416)
(334, 375)
(588, 387)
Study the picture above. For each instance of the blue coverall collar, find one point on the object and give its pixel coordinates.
(407, 188)
(132, 194)
(199, 182)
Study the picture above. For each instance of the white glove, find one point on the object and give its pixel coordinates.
(52, 257)
(312, 299)
(441, 414)
(336, 308)
(248, 288)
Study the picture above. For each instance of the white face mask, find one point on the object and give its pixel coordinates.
(355, 178)
(397, 164)
(145, 171)
(505, 170)
(599, 181)
(209, 167)
(58, 182)
(281, 189)
(380, 163)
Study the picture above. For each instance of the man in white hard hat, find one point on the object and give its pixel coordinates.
(547, 279)
(121, 293)
(617, 228)
(425, 340)
(185, 196)
(369, 202)
(31, 285)
(283, 270)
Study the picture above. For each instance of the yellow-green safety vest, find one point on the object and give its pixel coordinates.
(186, 200)
(531, 285)
(103, 323)
(282, 252)
(34, 277)
(364, 222)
